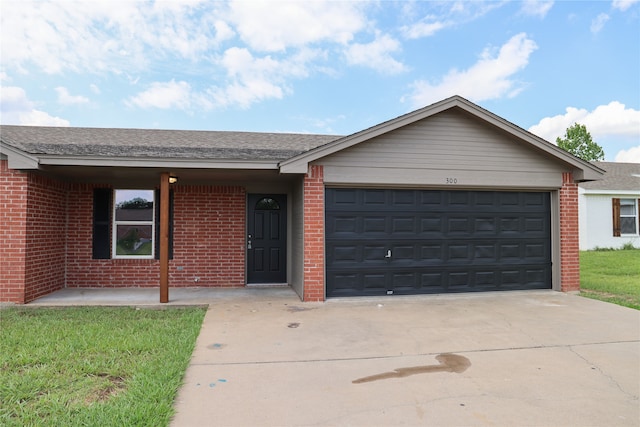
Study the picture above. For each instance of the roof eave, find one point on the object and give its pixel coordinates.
(20, 160)
(152, 162)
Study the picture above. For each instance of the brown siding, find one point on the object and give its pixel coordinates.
(447, 145)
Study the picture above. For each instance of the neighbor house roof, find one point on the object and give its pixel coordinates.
(617, 177)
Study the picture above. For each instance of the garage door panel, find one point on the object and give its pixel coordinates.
(431, 241)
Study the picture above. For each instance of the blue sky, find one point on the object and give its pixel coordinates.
(330, 67)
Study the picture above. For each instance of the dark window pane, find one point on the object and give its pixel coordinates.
(628, 225)
(134, 205)
(134, 240)
(267, 204)
(627, 207)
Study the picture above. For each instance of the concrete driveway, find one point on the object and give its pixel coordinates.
(538, 358)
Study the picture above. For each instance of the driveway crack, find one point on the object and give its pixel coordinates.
(603, 373)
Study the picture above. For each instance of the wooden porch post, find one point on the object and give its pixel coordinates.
(164, 237)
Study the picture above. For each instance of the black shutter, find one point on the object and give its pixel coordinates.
(157, 219)
(102, 198)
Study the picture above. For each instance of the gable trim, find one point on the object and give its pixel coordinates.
(18, 159)
(582, 170)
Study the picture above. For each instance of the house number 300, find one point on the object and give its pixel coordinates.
(452, 180)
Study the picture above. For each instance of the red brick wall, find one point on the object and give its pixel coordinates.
(46, 236)
(208, 243)
(13, 225)
(32, 235)
(569, 236)
(314, 234)
(209, 236)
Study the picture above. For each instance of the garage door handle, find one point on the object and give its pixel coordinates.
(388, 255)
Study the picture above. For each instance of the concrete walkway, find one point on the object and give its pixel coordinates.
(532, 358)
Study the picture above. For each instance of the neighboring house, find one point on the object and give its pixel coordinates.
(448, 198)
(609, 207)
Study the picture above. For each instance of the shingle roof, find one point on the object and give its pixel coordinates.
(618, 176)
(224, 145)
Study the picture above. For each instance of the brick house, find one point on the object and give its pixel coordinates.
(448, 198)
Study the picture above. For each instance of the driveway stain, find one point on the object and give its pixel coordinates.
(297, 309)
(448, 363)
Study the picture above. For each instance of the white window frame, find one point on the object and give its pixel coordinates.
(116, 223)
(634, 216)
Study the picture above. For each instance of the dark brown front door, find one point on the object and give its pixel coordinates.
(267, 238)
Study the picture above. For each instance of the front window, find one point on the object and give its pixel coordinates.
(628, 216)
(133, 224)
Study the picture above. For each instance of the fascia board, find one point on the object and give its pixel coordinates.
(18, 159)
(133, 162)
(631, 193)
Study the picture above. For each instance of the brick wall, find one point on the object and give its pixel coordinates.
(32, 235)
(569, 235)
(13, 225)
(314, 234)
(46, 236)
(209, 238)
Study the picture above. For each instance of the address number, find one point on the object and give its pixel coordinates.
(452, 180)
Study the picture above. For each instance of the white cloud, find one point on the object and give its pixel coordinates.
(489, 78)
(17, 109)
(164, 95)
(598, 23)
(442, 15)
(538, 8)
(251, 79)
(613, 119)
(82, 36)
(376, 55)
(623, 5)
(65, 98)
(427, 27)
(632, 155)
(268, 26)
(95, 89)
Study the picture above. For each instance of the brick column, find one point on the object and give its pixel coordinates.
(314, 234)
(569, 236)
(13, 234)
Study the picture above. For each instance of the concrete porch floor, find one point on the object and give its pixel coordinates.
(150, 297)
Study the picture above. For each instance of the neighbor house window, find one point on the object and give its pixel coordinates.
(625, 216)
(133, 224)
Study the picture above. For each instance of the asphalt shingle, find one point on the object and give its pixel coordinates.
(224, 145)
(618, 176)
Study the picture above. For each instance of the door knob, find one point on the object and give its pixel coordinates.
(388, 255)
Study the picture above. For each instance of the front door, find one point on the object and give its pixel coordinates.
(267, 238)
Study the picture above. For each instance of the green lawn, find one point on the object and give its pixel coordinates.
(93, 366)
(612, 276)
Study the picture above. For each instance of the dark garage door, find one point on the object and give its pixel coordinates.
(430, 241)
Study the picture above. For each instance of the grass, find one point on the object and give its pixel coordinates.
(612, 276)
(93, 366)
